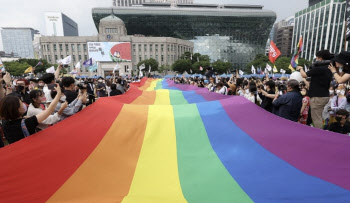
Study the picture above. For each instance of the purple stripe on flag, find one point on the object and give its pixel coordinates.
(316, 152)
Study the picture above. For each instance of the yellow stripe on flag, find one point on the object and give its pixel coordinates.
(291, 68)
(152, 86)
(156, 178)
(162, 97)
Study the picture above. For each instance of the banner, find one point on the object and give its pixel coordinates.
(110, 51)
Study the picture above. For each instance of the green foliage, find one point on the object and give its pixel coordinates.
(164, 69)
(149, 63)
(33, 62)
(182, 65)
(221, 67)
(16, 68)
(281, 63)
(260, 60)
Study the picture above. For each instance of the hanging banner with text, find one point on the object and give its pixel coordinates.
(110, 51)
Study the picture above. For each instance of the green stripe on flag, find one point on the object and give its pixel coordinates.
(177, 98)
(203, 177)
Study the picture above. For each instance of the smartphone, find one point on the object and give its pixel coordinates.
(51, 86)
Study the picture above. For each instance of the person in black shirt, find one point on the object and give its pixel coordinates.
(91, 91)
(288, 106)
(267, 96)
(114, 90)
(69, 91)
(22, 91)
(342, 63)
(342, 125)
(101, 88)
(321, 78)
(15, 127)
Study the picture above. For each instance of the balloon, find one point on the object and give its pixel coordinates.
(296, 76)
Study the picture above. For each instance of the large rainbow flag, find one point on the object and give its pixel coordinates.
(167, 143)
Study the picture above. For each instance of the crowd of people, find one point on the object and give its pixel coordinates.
(29, 106)
(319, 98)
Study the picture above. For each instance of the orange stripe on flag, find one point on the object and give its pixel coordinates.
(107, 173)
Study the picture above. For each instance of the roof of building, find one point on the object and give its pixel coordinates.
(220, 10)
(112, 19)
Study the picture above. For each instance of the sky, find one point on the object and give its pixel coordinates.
(30, 13)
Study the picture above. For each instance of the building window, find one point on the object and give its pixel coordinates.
(61, 56)
(74, 58)
(85, 57)
(73, 48)
(56, 58)
(145, 47)
(157, 59)
(79, 57)
(111, 30)
(168, 48)
(78, 46)
(151, 48)
(162, 48)
(54, 47)
(162, 59)
(140, 58)
(48, 47)
(49, 58)
(84, 46)
(134, 48)
(156, 47)
(61, 48)
(139, 47)
(67, 49)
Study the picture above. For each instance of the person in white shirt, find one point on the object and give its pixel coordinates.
(221, 88)
(252, 95)
(36, 107)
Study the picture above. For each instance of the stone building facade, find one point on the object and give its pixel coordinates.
(166, 50)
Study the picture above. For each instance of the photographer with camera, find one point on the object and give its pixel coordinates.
(321, 78)
(342, 62)
(288, 106)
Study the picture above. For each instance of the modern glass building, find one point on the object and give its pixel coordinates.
(233, 33)
(18, 41)
(322, 27)
(313, 2)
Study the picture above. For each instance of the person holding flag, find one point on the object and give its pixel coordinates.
(321, 78)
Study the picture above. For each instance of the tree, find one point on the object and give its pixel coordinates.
(196, 66)
(149, 63)
(260, 60)
(282, 62)
(221, 67)
(34, 62)
(182, 65)
(164, 69)
(16, 68)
